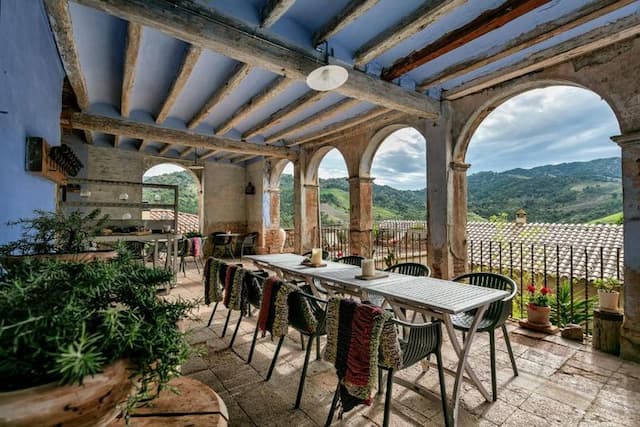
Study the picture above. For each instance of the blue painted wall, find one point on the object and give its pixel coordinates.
(31, 77)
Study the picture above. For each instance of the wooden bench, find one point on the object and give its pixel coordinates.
(196, 405)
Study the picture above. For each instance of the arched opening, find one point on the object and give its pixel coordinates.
(189, 196)
(286, 197)
(399, 197)
(543, 174)
(327, 182)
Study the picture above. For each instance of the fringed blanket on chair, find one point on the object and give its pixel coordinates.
(354, 334)
(211, 278)
(274, 308)
(236, 285)
(194, 246)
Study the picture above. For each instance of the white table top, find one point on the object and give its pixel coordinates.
(433, 294)
(134, 237)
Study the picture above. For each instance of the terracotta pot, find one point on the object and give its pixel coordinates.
(94, 403)
(538, 316)
(608, 301)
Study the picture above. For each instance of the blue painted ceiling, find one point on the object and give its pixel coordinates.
(101, 37)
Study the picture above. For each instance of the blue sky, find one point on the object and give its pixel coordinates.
(543, 126)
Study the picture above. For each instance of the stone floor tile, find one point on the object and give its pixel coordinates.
(193, 365)
(598, 358)
(552, 410)
(519, 418)
(630, 369)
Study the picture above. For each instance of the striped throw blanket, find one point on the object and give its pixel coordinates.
(274, 308)
(211, 279)
(354, 332)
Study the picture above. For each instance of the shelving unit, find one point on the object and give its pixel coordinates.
(107, 197)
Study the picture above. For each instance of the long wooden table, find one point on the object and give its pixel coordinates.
(432, 297)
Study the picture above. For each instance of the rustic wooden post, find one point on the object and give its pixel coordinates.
(606, 331)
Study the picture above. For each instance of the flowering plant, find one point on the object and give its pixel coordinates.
(540, 297)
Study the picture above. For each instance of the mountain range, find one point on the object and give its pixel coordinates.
(576, 192)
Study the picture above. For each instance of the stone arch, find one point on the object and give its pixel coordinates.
(277, 167)
(480, 113)
(150, 163)
(311, 174)
(366, 160)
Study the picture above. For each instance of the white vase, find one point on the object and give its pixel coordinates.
(608, 301)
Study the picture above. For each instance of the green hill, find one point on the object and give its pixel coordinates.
(577, 192)
(187, 191)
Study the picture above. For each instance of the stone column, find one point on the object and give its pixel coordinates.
(439, 194)
(630, 333)
(298, 202)
(309, 222)
(458, 234)
(360, 216)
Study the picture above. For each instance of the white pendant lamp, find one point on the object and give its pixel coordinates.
(327, 77)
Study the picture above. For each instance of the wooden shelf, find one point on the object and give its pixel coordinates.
(38, 162)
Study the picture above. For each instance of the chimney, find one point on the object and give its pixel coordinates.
(521, 217)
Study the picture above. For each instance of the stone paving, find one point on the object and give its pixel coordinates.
(560, 383)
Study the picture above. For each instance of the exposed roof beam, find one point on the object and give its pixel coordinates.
(143, 144)
(206, 28)
(600, 37)
(540, 33)
(410, 25)
(314, 119)
(345, 124)
(290, 110)
(121, 126)
(116, 140)
(352, 11)
(165, 149)
(483, 24)
(243, 158)
(60, 19)
(387, 117)
(239, 73)
(207, 155)
(273, 10)
(132, 47)
(275, 88)
(188, 63)
(188, 151)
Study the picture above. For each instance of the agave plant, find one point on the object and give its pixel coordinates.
(564, 311)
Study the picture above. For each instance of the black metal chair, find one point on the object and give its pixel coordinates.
(219, 239)
(247, 244)
(350, 259)
(495, 316)
(299, 322)
(410, 269)
(183, 253)
(254, 280)
(325, 254)
(136, 249)
(421, 341)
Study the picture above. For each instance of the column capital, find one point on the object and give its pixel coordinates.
(627, 139)
(459, 166)
(360, 179)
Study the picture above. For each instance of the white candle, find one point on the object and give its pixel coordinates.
(368, 267)
(316, 256)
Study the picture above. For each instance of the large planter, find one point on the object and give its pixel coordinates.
(89, 256)
(538, 316)
(608, 300)
(94, 403)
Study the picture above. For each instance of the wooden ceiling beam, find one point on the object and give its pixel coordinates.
(290, 110)
(204, 27)
(352, 11)
(180, 80)
(121, 126)
(275, 88)
(590, 41)
(243, 158)
(315, 119)
(483, 24)
(540, 33)
(409, 26)
(274, 10)
(165, 149)
(205, 156)
(60, 19)
(344, 124)
(188, 151)
(116, 140)
(237, 76)
(132, 48)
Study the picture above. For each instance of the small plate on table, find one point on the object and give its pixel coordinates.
(307, 263)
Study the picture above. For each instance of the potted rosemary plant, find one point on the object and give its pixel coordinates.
(82, 341)
(57, 235)
(608, 293)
